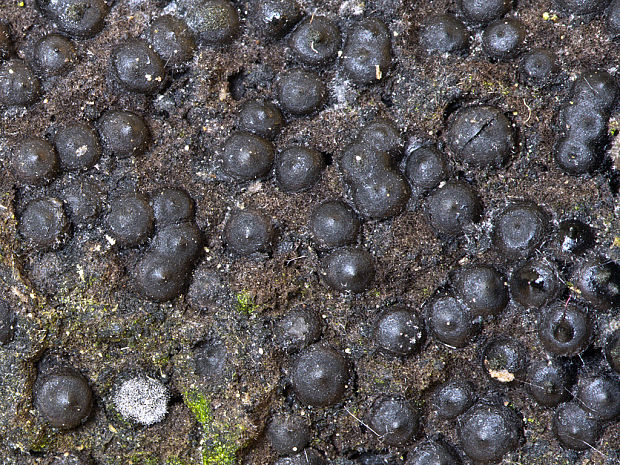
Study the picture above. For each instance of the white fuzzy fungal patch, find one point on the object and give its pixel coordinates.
(142, 399)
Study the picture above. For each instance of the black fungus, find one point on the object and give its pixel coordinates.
(451, 322)
(597, 88)
(297, 329)
(213, 21)
(261, 117)
(580, 122)
(180, 243)
(319, 376)
(367, 53)
(138, 68)
(247, 156)
(77, 145)
(298, 168)
(18, 84)
(349, 269)
(248, 231)
(612, 350)
(54, 54)
(535, 283)
(453, 206)
(276, 17)
(288, 434)
(484, 11)
(426, 168)
(395, 420)
(334, 224)
(575, 236)
(84, 201)
(503, 39)
(399, 331)
(504, 360)
(158, 278)
(382, 195)
(44, 224)
(444, 34)
(453, 398)
(488, 432)
(78, 18)
(433, 452)
(7, 323)
(481, 136)
(6, 44)
(130, 219)
(548, 381)
(564, 329)
(520, 229)
(301, 91)
(360, 162)
(124, 133)
(35, 161)
(539, 67)
(482, 288)
(171, 206)
(600, 395)
(63, 398)
(210, 359)
(172, 40)
(575, 428)
(613, 18)
(598, 281)
(316, 40)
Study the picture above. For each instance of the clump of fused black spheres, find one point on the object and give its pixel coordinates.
(367, 53)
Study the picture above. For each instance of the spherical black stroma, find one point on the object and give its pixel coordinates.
(137, 67)
(503, 39)
(535, 283)
(54, 54)
(172, 205)
(444, 34)
(44, 224)
(600, 395)
(297, 329)
(598, 280)
(63, 398)
(367, 53)
(481, 136)
(319, 376)
(548, 381)
(124, 133)
(349, 269)
(35, 161)
(453, 206)
(398, 331)
(261, 117)
(433, 452)
(426, 168)
(276, 17)
(451, 322)
(453, 398)
(301, 91)
(298, 168)
(78, 146)
(576, 428)
(381, 196)
(539, 67)
(213, 21)
(564, 329)
(78, 18)
(488, 432)
(248, 231)
(246, 156)
(333, 224)
(130, 219)
(482, 288)
(520, 229)
(158, 278)
(288, 434)
(19, 86)
(172, 39)
(180, 242)
(504, 360)
(395, 420)
(316, 40)
(484, 11)
(575, 236)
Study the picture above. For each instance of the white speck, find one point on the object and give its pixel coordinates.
(110, 240)
(148, 77)
(142, 399)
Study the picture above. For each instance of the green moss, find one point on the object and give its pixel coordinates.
(220, 442)
(245, 303)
